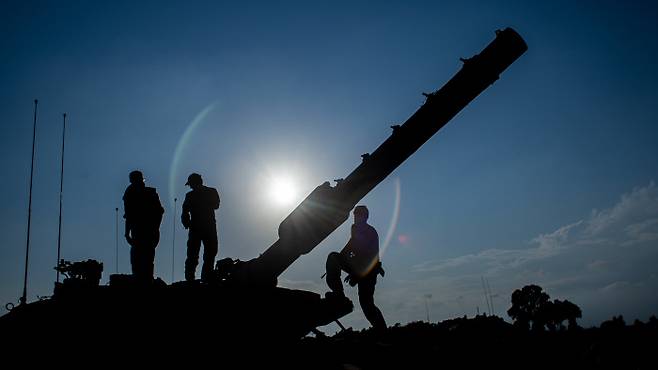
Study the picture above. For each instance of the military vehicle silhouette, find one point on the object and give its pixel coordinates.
(243, 304)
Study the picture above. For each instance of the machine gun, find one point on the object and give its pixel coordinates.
(86, 273)
(79, 277)
(327, 207)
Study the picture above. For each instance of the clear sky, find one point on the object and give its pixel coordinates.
(548, 177)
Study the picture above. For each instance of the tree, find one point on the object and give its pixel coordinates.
(530, 305)
(551, 315)
(559, 312)
(616, 323)
(571, 312)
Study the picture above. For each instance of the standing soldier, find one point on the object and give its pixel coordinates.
(360, 259)
(143, 214)
(199, 217)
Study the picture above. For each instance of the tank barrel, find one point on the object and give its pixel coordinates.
(327, 207)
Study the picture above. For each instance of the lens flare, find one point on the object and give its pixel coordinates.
(394, 218)
(175, 184)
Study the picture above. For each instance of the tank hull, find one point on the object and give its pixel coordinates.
(226, 315)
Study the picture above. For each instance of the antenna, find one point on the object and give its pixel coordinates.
(427, 309)
(61, 192)
(484, 287)
(493, 312)
(486, 281)
(116, 241)
(173, 243)
(23, 299)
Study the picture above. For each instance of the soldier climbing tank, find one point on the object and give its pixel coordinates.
(243, 304)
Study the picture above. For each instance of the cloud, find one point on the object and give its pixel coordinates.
(493, 260)
(637, 206)
(557, 239)
(597, 265)
(617, 285)
(642, 231)
(594, 261)
(634, 219)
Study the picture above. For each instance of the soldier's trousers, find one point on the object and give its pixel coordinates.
(142, 254)
(207, 236)
(337, 263)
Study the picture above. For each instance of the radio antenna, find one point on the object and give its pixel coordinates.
(23, 299)
(61, 191)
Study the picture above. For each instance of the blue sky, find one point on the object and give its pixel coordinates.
(548, 177)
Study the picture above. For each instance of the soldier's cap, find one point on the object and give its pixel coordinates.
(194, 178)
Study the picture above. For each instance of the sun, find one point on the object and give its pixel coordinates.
(282, 191)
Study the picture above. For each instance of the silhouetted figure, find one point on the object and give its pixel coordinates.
(143, 214)
(199, 217)
(360, 259)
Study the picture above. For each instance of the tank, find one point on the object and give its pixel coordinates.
(242, 304)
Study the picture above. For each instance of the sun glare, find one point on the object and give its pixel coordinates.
(282, 191)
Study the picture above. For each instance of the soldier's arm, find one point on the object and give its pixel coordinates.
(158, 209)
(375, 241)
(128, 230)
(216, 200)
(157, 198)
(348, 249)
(126, 213)
(185, 214)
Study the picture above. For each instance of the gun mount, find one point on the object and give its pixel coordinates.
(244, 302)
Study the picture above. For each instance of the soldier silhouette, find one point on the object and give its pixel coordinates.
(143, 213)
(360, 259)
(199, 217)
